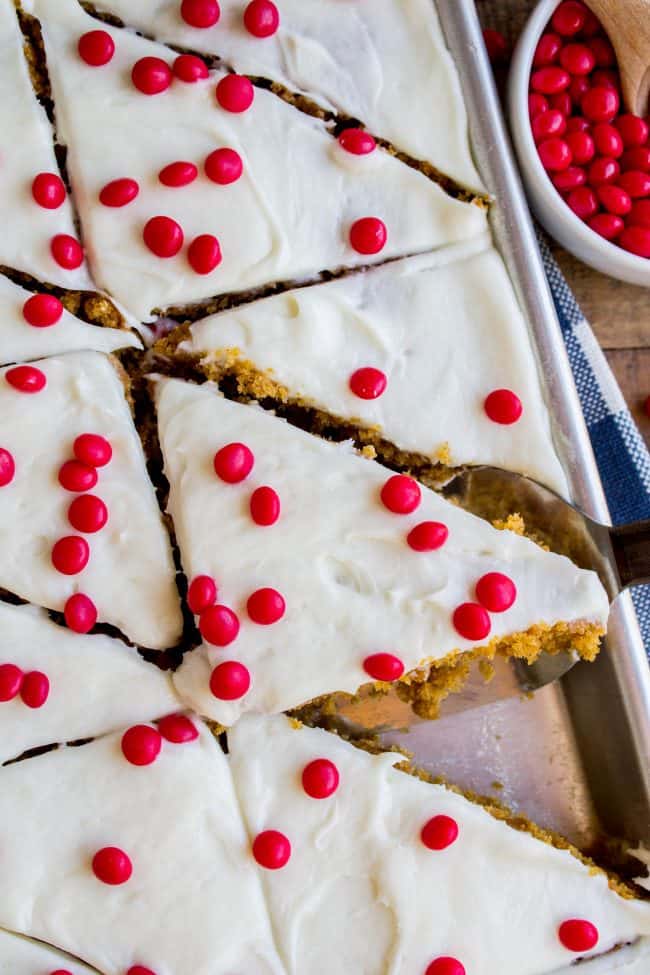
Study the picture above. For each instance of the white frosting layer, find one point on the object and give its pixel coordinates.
(20, 341)
(27, 149)
(352, 585)
(193, 904)
(287, 217)
(444, 328)
(130, 575)
(362, 892)
(630, 960)
(384, 63)
(21, 956)
(97, 684)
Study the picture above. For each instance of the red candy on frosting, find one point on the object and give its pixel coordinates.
(219, 625)
(357, 142)
(368, 235)
(496, 592)
(261, 18)
(66, 251)
(178, 729)
(80, 613)
(202, 593)
(401, 494)
(11, 680)
(163, 236)
(368, 382)
(112, 866)
(190, 68)
(43, 310)
(119, 192)
(87, 514)
(141, 744)
(200, 13)
(320, 779)
(383, 666)
(445, 965)
(26, 379)
(233, 463)
(230, 681)
(96, 48)
(224, 166)
(204, 253)
(235, 93)
(471, 621)
(503, 406)
(265, 606)
(77, 477)
(7, 467)
(70, 555)
(178, 174)
(92, 449)
(48, 191)
(151, 76)
(265, 506)
(439, 833)
(35, 689)
(427, 536)
(271, 849)
(140, 970)
(578, 935)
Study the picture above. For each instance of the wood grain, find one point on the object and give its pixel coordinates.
(619, 313)
(628, 26)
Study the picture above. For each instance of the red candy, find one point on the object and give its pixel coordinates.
(26, 379)
(582, 147)
(637, 158)
(496, 592)
(607, 225)
(548, 50)
(577, 59)
(368, 383)
(35, 689)
(11, 680)
(548, 124)
(140, 970)
(7, 467)
(70, 555)
(151, 76)
(615, 199)
(537, 104)
(163, 236)
(555, 154)
(224, 166)
(235, 93)
(401, 494)
(427, 536)
(66, 251)
(77, 477)
(178, 174)
(439, 833)
(265, 606)
(550, 80)
(578, 935)
(445, 965)
(496, 45)
(87, 514)
(200, 13)
(603, 52)
(636, 183)
(578, 124)
(92, 449)
(96, 48)
(357, 142)
(177, 729)
(600, 104)
(261, 18)
(583, 202)
(320, 779)
(383, 666)
(569, 179)
(561, 101)
(633, 129)
(265, 506)
(41, 311)
(271, 849)
(639, 214)
(219, 626)
(202, 593)
(233, 463)
(230, 681)
(603, 171)
(80, 613)
(471, 621)
(368, 235)
(204, 254)
(569, 18)
(503, 406)
(636, 240)
(48, 191)
(112, 866)
(579, 85)
(141, 744)
(190, 68)
(119, 192)
(608, 140)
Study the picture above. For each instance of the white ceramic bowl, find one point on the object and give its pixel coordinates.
(547, 204)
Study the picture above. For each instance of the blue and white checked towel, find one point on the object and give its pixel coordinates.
(622, 456)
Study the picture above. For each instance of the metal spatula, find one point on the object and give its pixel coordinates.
(620, 556)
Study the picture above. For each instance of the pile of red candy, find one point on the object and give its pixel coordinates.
(597, 156)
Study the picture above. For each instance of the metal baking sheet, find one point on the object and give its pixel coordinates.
(576, 758)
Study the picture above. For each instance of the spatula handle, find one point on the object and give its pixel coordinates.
(631, 544)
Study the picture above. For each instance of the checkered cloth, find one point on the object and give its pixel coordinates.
(622, 457)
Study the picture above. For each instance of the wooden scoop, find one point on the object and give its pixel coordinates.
(627, 23)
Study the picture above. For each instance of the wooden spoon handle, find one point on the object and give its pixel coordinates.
(627, 23)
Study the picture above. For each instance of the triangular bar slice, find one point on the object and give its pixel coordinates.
(431, 353)
(331, 572)
(24, 336)
(284, 202)
(39, 236)
(78, 513)
(369, 869)
(385, 63)
(58, 686)
(131, 851)
(22, 956)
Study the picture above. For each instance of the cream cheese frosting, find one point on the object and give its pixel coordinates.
(444, 329)
(193, 903)
(352, 585)
(129, 573)
(27, 149)
(385, 63)
(97, 684)
(361, 890)
(631, 959)
(289, 215)
(22, 956)
(20, 341)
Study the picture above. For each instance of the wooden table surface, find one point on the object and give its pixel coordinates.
(619, 313)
